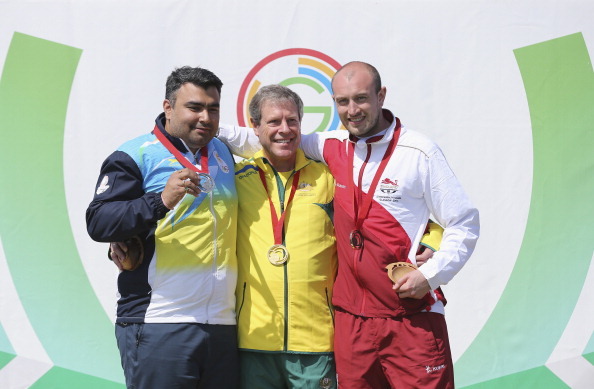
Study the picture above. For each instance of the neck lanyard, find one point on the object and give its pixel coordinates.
(278, 223)
(180, 157)
(361, 213)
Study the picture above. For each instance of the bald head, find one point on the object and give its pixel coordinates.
(359, 99)
(350, 69)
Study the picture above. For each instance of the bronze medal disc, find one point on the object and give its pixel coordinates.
(356, 239)
(397, 269)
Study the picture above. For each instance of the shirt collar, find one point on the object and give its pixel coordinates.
(177, 142)
(301, 160)
(383, 136)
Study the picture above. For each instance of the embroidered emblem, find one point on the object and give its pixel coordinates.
(221, 163)
(103, 186)
(304, 186)
(325, 382)
(388, 186)
(389, 191)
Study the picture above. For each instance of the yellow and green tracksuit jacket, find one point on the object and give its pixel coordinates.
(285, 308)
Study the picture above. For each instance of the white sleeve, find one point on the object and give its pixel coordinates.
(313, 144)
(452, 208)
(241, 141)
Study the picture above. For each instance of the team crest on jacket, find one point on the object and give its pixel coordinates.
(305, 189)
(389, 190)
(103, 186)
(388, 186)
(326, 382)
(304, 186)
(221, 163)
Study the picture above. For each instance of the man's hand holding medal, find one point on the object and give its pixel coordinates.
(180, 183)
(408, 280)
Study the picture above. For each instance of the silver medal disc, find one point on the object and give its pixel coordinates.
(205, 183)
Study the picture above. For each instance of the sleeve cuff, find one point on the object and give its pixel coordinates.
(160, 208)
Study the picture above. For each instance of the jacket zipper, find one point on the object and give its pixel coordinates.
(214, 256)
(359, 253)
(281, 197)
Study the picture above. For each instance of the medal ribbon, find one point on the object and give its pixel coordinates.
(278, 224)
(180, 157)
(361, 213)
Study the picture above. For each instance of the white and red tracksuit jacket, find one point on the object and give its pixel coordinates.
(417, 184)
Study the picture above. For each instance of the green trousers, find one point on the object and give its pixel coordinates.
(261, 370)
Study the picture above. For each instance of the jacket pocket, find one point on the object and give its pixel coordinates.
(329, 305)
(242, 301)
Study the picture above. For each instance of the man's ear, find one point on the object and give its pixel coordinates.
(167, 108)
(255, 126)
(382, 95)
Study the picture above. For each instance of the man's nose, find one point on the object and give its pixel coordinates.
(352, 108)
(204, 116)
(284, 127)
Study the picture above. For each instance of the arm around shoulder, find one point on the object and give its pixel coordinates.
(242, 141)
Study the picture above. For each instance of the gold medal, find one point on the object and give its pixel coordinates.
(278, 254)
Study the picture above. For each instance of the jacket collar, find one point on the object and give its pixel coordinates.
(301, 161)
(384, 136)
(178, 143)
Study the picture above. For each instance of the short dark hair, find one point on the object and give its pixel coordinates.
(198, 76)
(276, 93)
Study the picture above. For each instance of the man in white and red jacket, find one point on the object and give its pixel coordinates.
(390, 335)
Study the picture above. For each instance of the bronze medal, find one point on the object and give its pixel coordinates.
(362, 205)
(397, 269)
(356, 239)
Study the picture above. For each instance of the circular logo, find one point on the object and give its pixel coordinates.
(308, 73)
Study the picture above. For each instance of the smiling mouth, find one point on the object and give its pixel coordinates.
(357, 119)
(283, 141)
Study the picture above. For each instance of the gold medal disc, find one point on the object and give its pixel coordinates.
(278, 254)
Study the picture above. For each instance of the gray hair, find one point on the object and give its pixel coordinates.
(275, 93)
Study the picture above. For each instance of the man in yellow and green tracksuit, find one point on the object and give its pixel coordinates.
(284, 312)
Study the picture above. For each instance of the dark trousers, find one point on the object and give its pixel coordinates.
(181, 356)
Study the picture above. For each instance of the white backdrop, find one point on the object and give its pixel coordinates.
(450, 72)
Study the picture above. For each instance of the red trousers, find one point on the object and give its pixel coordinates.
(403, 353)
